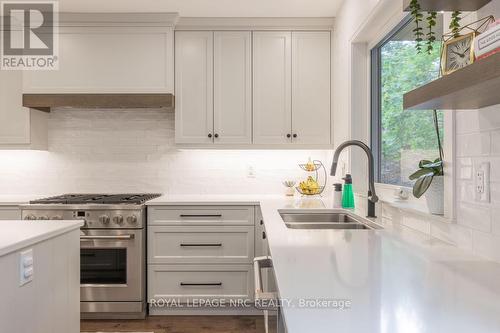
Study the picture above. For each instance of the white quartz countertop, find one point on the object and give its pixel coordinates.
(200, 199)
(397, 280)
(16, 234)
(16, 200)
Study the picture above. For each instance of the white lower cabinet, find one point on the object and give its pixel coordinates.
(188, 283)
(200, 252)
(209, 244)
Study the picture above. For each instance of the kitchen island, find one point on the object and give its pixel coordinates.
(40, 280)
(389, 280)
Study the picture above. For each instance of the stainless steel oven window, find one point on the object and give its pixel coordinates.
(103, 266)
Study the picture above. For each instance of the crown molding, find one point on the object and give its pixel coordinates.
(118, 19)
(255, 23)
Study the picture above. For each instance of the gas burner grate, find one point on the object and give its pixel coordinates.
(127, 198)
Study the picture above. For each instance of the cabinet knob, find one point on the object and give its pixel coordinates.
(209, 135)
(295, 135)
(216, 135)
(264, 235)
(288, 135)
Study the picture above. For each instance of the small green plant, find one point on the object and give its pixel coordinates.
(428, 169)
(417, 17)
(455, 23)
(431, 35)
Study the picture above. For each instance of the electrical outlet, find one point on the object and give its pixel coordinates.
(251, 172)
(25, 267)
(482, 182)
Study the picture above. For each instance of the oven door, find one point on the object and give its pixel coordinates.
(112, 265)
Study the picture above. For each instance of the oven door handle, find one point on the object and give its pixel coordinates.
(118, 237)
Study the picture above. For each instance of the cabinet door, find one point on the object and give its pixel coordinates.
(14, 118)
(311, 87)
(232, 87)
(272, 117)
(194, 87)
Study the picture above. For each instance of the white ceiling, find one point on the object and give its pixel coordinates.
(210, 8)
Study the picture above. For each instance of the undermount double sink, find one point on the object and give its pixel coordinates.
(336, 219)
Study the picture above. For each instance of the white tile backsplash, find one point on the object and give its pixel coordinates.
(134, 151)
(474, 216)
(473, 144)
(477, 225)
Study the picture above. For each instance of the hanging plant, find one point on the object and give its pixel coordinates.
(455, 23)
(431, 35)
(417, 18)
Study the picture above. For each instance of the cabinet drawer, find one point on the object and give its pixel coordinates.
(10, 213)
(187, 282)
(201, 215)
(200, 244)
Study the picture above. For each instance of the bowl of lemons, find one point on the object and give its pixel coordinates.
(309, 186)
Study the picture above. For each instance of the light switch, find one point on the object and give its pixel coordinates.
(482, 182)
(26, 267)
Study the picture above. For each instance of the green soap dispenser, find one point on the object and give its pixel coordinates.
(347, 194)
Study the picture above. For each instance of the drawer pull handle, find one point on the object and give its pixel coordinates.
(200, 245)
(201, 284)
(201, 215)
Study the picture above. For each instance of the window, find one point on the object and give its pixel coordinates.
(400, 138)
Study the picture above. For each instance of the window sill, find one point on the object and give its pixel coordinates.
(412, 208)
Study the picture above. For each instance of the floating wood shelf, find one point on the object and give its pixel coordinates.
(473, 87)
(44, 102)
(447, 5)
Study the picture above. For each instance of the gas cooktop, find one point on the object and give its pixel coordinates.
(77, 199)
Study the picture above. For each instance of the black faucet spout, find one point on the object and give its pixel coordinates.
(372, 195)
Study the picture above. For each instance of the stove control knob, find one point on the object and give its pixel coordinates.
(57, 217)
(30, 217)
(43, 217)
(104, 219)
(132, 219)
(118, 219)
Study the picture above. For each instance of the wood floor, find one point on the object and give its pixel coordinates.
(179, 324)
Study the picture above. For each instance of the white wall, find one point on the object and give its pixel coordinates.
(133, 150)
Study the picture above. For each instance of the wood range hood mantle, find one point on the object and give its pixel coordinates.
(45, 102)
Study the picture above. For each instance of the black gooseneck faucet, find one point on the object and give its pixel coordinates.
(372, 196)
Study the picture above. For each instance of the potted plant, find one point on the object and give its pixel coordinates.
(429, 178)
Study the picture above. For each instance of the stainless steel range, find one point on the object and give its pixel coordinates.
(112, 249)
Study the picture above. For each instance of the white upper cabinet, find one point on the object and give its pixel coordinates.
(213, 87)
(272, 108)
(98, 53)
(311, 87)
(20, 127)
(232, 87)
(194, 116)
